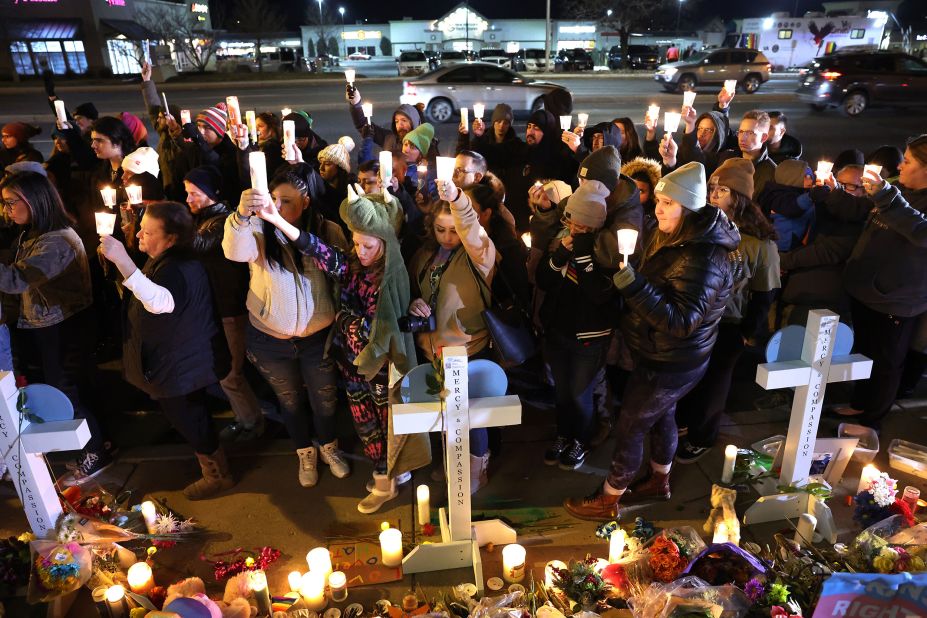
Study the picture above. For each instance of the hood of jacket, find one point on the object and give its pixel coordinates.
(643, 166)
(720, 123)
(710, 226)
(610, 133)
(409, 111)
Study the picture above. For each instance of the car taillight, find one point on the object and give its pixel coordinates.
(831, 75)
(768, 68)
(408, 88)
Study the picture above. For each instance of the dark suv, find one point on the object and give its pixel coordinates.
(638, 57)
(573, 60)
(854, 81)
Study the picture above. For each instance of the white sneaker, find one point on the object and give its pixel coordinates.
(308, 466)
(334, 459)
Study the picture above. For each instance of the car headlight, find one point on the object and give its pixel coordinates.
(670, 71)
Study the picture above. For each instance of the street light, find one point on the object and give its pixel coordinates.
(608, 13)
(343, 42)
(678, 13)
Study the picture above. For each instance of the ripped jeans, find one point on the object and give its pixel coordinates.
(299, 375)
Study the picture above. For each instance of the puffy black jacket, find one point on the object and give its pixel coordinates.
(227, 279)
(678, 296)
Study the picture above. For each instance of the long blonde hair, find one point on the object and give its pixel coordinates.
(659, 239)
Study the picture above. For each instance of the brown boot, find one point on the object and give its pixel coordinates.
(598, 506)
(656, 486)
(216, 477)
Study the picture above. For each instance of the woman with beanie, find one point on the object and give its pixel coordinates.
(415, 155)
(451, 279)
(167, 350)
(308, 142)
(335, 170)
(374, 293)
(136, 127)
(646, 174)
(576, 313)
(673, 303)
(291, 310)
(755, 268)
(16, 146)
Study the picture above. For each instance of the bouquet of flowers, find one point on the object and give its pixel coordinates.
(581, 582)
(880, 502)
(14, 564)
(671, 552)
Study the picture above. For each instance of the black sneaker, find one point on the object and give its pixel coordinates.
(688, 453)
(237, 432)
(574, 456)
(89, 464)
(552, 455)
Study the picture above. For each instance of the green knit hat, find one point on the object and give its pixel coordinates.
(370, 214)
(421, 137)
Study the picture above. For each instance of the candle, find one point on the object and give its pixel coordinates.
(566, 122)
(910, 496)
(423, 495)
(320, 561)
(257, 581)
(422, 170)
(865, 478)
(730, 458)
(478, 109)
(550, 572)
(59, 111)
(98, 595)
(582, 119)
(109, 196)
(349, 75)
(804, 534)
(513, 563)
(286, 111)
(251, 121)
(526, 238)
(185, 116)
(445, 167)
(150, 515)
(386, 168)
(824, 168)
(368, 111)
(627, 241)
(234, 110)
(140, 578)
(875, 169)
(391, 547)
(146, 52)
(312, 590)
(730, 85)
(688, 98)
(721, 534)
(671, 121)
(653, 112)
(289, 132)
(135, 194)
(116, 600)
(616, 543)
(338, 584)
(257, 164)
(164, 103)
(465, 116)
(295, 578)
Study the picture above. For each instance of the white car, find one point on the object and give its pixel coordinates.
(412, 62)
(359, 56)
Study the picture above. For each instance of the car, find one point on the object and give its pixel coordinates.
(490, 55)
(577, 59)
(637, 57)
(713, 67)
(854, 82)
(449, 88)
(531, 60)
(284, 60)
(412, 62)
(452, 57)
(358, 56)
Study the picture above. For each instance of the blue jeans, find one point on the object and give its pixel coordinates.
(299, 375)
(6, 351)
(575, 365)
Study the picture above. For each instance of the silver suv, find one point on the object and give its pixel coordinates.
(712, 67)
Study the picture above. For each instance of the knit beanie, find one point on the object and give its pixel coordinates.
(142, 160)
(736, 174)
(586, 206)
(135, 126)
(207, 179)
(603, 165)
(23, 167)
(421, 137)
(558, 102)
(502, 111)
(87, 110)
(557, 191)
(791, 172)
(545, 121)
(338, 153)
(685, 185)
(852, 156)
(215, 118)
(21, 131)
(301, 124)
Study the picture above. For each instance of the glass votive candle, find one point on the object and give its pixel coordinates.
(338, 585)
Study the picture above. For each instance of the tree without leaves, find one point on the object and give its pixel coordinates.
(627, 15)
(257, 17)
(386, 46)
(182, 29)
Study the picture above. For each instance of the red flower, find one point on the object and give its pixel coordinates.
(901, 507)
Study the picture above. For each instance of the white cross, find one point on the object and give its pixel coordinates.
(22, 446)
(460, 536)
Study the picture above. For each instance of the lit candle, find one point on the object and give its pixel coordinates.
(349, 75)
(582, 119)
(295, 579)
(257, 581)
(312, 590)
(616, 543)
(804, 534)
(731, 86)
(445, 168)
(465, 116)
(730, 458)
(135, 194)
(910, 496)
(185, 116)
(478, 110)
(391, 547)
(721, 534)
(98, 595)
(257, 164)
(566, 122)
(251, 121)
(423, 497)
(109, 196)
(116, 600)
(386, 169)
(286, 111)
(234, 110)
(671, 121)
(368, 111)
(140, 578)
(59, 111)
(875, 169)
(338, 585)
(653, 112)
(513, 563)
(824, 168)
(688, 98)
(320, 561)
(869, 473)
(526, 238)
(550, 572)
(289, 132)
(627, 241)
(149, 514)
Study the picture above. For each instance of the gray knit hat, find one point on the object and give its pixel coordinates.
(686, 185)
(587, 204)
(791, 172)
(603, 165)
(502, 111)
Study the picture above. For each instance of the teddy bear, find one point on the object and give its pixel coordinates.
(234, 603)
(722, 503)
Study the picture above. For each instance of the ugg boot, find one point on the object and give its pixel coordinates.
(479, 472)
(384, 490)
(598, 506)
(334, 459)
(401, 479)
(308, 466)
(216, 477)
(655, 486)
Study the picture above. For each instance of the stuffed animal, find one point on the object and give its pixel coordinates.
(233, 605)
(722, 503)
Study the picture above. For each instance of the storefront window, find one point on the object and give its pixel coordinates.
(122, 56)
(77, 60)
(21, 58)
(50, 52)
(60, 56)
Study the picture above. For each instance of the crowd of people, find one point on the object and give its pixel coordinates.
(340, 276)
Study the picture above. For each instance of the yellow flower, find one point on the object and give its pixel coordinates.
(26, 537)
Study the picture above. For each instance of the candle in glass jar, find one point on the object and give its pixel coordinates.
(312, 590)
(616, 544)
(135, 194)
(720, 533)
(730, 458)
(513, 563)
(257, 581)
(109, 196)
(320, 561)
(423, 501)
(391, 547)
(478, 110)
(294, 579)
(338, 585)
(251, 121)
(140, 578)
(116, 600)
(150, 515)
(869, 473)
(910, 496)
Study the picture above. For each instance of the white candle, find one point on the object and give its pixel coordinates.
(550, 571)
(465, 116)
(135, 194)
(257, 581)
(109, 200)
(140, 578)
(295, 579)
(59, 111)
(478, 109)
(146, 52)
(627, 241)
(804, 534)
(445, 167)
(164, 102)
(368, 111)
(513, 563)
(320, 561)
(824, 168)
(338, 585)
(116, 599)
(257, 163)
(349, 75)
(616, 543)
(688, 98)
(386, 168)
(289, 132)
(875, 169)
(653, 112)
(251, 121)
(721, 534)
(234, 110)
(423, 497)
(730, 85)
(526, 238)
(286, 111)
(312, 590)
(582, 119)
(185, 116)
(671, 121)
(391, 547)
(566, 122)
(869, 473)
(730, 458)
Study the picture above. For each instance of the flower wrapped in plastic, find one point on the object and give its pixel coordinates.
(689, 596)
(57, 569)
(511, 605)
(671, 551)
(725, 563)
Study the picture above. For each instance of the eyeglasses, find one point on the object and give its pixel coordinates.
(751, 132)
(8, 204)
(460, 170)
(712, 189)
(850, 187)
(705, 130)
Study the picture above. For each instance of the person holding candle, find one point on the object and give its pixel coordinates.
(405, 118)
(374, 292)
(335, 170)
(370, 182)
(16, 147)
(309, 143)
(593, 138)
(213, 146)
(502, 131)
(674, 300)
(291, 310)
(421, 167)
(703, 140)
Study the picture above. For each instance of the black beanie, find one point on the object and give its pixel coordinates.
(545, 121)
(559, 102)
(87, 110)
(850, 156)
(300, 123)
(207, 179)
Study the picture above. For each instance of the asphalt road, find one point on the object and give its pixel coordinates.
(602, 97)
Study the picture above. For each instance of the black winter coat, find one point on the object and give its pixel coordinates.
(227, 279)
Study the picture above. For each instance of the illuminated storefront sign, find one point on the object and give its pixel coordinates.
(463, 23)
(199, 7)
(361, 35)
